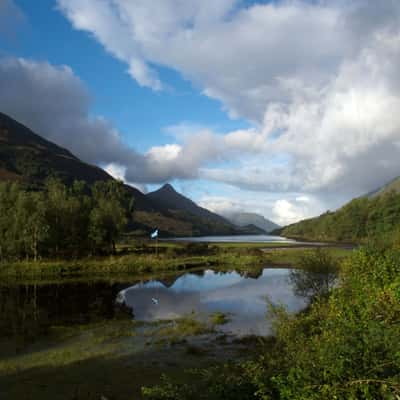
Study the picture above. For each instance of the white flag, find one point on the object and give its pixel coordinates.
(154, 234)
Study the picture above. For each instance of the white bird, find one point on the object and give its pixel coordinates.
(155, 301)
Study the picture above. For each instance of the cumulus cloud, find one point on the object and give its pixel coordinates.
(319, 80)
(241, 56)
(117, 171)
(287, 212)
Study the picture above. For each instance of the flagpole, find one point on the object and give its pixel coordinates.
(157, 246)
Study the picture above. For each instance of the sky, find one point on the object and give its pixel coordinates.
(285, 108)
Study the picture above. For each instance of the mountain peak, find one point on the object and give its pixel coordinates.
(167, 187)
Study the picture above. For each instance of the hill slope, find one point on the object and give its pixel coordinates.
(242, 219)
(27, 157)
(377, 216)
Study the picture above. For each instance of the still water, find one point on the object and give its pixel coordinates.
(30, 311)
(235, 239)
(243, 298)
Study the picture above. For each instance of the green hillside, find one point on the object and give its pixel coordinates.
(362, 218)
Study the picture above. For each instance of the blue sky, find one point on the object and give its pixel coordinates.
(139, 113)
(226, 99)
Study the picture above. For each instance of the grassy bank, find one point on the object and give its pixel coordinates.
(169, 257)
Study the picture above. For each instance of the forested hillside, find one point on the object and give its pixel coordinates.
(362, 218)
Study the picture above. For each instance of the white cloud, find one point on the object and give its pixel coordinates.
(287, 212)
(236, 55)
(303, 199)
(161, 154)
(221, 205)
(116, 171)
(318, 79)
(282, 208)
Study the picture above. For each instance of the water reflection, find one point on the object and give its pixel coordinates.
(28, 312)
(235, 239)
(244, 298)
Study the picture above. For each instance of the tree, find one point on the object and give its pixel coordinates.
(108, 216)
(316, 275)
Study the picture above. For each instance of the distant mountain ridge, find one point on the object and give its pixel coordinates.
(246, 218)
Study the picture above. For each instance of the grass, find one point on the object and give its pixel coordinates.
(139, 260)
(219, 318)
(290, 257)
(173, 258)
(183, 327)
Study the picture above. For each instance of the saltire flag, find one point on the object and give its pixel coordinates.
(154, 235)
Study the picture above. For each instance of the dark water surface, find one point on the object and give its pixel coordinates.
(29, 311)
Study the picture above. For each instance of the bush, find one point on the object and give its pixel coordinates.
(316, 275)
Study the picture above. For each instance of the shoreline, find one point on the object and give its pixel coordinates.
(171, 258)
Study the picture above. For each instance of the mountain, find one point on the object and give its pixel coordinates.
(30, 159)
(243, 218)
(376, 215)
(204, 222)
(27, 157)
(169, 199)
